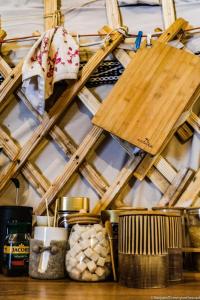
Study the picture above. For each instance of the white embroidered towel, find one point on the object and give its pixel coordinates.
(54, 57)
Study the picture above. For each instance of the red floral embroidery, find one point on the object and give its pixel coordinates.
(40, 54)
(72, 55)
(52, 62)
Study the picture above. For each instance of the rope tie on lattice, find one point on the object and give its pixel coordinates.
(122, 29)
(56, 17)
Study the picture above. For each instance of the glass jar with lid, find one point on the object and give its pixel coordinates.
(70, 205)
(88, 257)
(16, 249)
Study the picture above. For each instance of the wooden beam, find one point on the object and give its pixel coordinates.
(113, 14)
(52, 13)
(169, 13)
(58, 109)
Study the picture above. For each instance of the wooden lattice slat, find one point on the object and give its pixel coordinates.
(182, 187)
(52, 13)
(10, 83)
(5, 69)
(169, 13)
(173, 187)
(158, 179)
(169, 16)
(113, 14)
(192, 192)
(194, 121)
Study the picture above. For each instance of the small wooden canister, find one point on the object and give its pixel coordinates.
(175, 237)
(143, 256)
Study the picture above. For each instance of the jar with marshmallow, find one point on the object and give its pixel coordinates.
(88, 256)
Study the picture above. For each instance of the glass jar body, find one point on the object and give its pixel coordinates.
(88, 257)
(62, 218)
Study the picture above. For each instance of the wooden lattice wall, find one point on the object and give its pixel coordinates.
(175, 186)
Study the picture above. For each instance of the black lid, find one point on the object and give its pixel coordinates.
(18, 227)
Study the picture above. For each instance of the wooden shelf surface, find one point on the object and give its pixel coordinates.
(25, 288)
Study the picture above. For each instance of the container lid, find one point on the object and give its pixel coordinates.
(18, 227)
(83, 218)
(17, 208)
(73, 203)
(148, 213)
(113, 215)
(122, 208)
(180, 210)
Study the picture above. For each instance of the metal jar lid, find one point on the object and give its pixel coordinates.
(180, 210)
(73, 204)
(83, 218)
(148, 213)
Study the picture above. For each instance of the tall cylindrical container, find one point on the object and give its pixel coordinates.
(175, 237)
(194, 234)
(113, 217)
(143, 255)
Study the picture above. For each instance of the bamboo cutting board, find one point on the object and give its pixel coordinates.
(158, 85)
